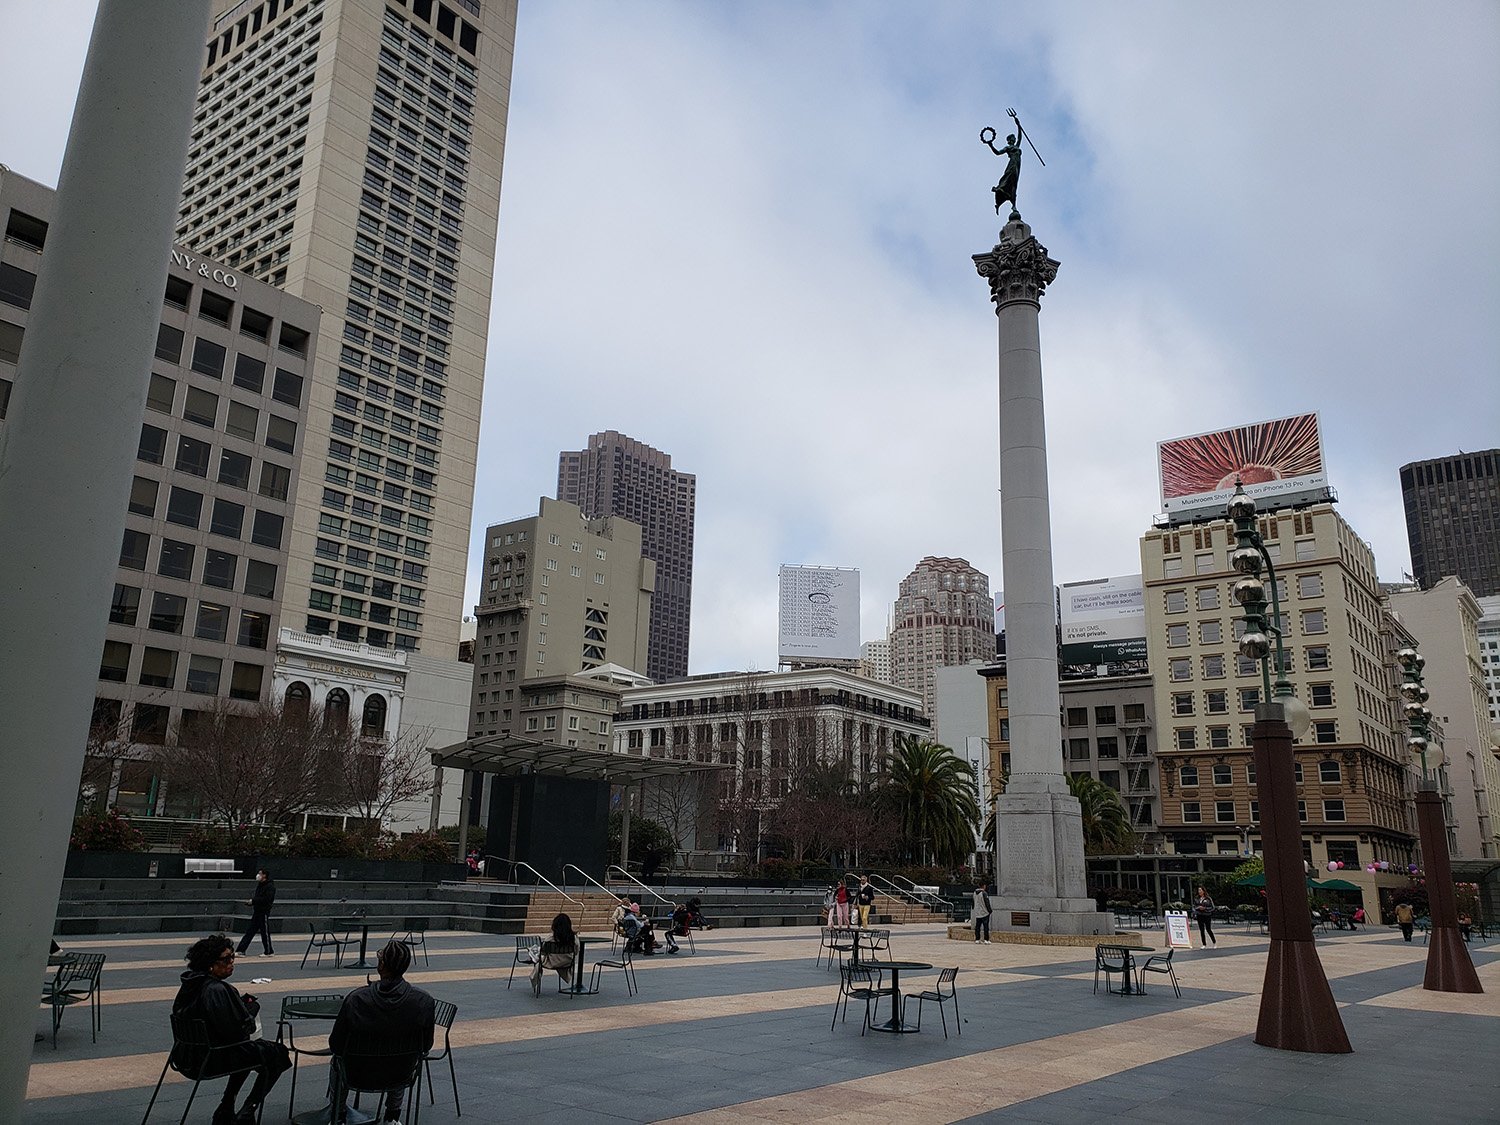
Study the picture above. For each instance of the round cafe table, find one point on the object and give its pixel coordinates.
(896, 1025)
(323, 1115)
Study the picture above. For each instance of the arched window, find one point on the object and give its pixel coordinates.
(298, 699)
(373, 724)
(336, 709)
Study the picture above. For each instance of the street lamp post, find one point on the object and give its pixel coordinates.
(1297, 1009)
(1449, 968)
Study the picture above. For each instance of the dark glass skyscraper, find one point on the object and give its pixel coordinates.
(1453, 519)
(619, 476)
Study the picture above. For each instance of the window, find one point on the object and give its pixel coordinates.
(281, 433)
(160, 392)
(1186, 738)
(1210, 632)
(1180, 668)
(234, 469)
(1250, 778)
(1297, 772)
(255, 628)
(124, 605)
(287, 388)
(167, 612)
(1314, 621)
(267, 529)
(275, 481)
(1216, 702)
(1320, 695)
(1249, 697)
(201, 407)
(1135, 712)
(1309, 585)
(219, 568)
(1104, 716)
(1213, 666)
(260, 578)
(1203, 562)
(16, 285)
(148, 723)
(1329, 772)
(228, 518)
(143, 496)
(1224, 812)
(249, 372)
(175, 560)
(1109, 747)
(212, 307)
(1244, 665)
(1078, 716)
(115, 662)
(245, 681)
(1302, 811)
(1325, 730)
(203, 674)
(213, 622)
(1208, 597)
(1177, 635)
(208, 358)
(1078, 749)
(1218, 739)
(1176, 601)
(192, 456)
(26, 230)
(1192, 812)
(1333, 811)
(1317, 658)
(1305, 549)
(242, 421)
(158, 667)
(1182, 703)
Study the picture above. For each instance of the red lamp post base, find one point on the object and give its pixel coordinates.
(1449, 967)
(1297, 1009)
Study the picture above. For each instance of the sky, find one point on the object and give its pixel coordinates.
(742, 233)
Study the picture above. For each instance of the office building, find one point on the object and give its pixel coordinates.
(943, 615)
(350, 154)
(1489, 657)
(561, 594)
(1453, 520)
(1351, 767)
(619, 476)
(875, 660)
(1108, 734)
(197, 601)
(1444, 620)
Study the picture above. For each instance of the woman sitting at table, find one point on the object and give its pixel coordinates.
(557, 954)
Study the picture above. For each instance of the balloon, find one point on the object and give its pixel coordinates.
(1412, 870)
(1332, 866)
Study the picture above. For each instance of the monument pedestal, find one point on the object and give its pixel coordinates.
(1042, 875)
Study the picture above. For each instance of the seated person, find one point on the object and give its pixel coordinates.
(557, 954)
(639, 933)
(671, 931)
(389, 1015)
(1465, 926)
(699, 919)
(229, 1017)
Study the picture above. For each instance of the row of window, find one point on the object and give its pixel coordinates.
(1323, 731)
(159, 668)
(353, 632)
(1330, 772)
(1208, 597)
(1225, 812)
(1179, 634)
(194, 456)
(1216, 700)
(1209, 562)
(1214, 665)
(176, 559)
(1104, 716)
(169, 615)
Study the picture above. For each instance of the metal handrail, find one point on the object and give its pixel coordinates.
(515, 863)
(587, 877)
(920, 898)
(637, 882)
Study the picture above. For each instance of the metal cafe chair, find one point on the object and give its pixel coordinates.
(946, 979)
(444, 1017)
(193, 1056)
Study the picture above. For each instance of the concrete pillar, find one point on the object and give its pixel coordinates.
(66, 453)
(1039, 828)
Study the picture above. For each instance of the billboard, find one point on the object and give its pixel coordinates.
(1103, 621)
(1280, 463)
(819, 614)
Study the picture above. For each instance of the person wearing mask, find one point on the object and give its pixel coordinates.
(1203, 910)
(865, 899)
(229, 1018)
(261, 901)
(388, 1015)
(982, 913)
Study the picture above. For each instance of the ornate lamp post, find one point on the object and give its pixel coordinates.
(1297, 1010)
(1449, 968)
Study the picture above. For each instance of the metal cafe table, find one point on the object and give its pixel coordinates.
(323, 1010)
(1126, 958)
(897, 1024)
(363, 922)
(578, 988)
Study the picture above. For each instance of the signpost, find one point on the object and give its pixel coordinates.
(1178, 934)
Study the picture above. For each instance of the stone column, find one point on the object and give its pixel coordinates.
(66, 453)
(1039, 829)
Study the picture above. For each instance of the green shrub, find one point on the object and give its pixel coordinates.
(421, 847)
(242, 839)
(106, 831)
(329, 843)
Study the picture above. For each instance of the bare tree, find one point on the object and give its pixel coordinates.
(370, 776)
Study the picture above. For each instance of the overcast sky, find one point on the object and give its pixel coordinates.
(742, 233)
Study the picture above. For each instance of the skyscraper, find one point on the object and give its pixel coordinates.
(1453, 519)
(349, 152)
(944, 615)
(619, 476)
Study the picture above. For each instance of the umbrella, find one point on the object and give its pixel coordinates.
(1335, 885)
(1252, 881)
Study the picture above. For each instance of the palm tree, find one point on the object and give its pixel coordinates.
(932, 791)
(1106, 827)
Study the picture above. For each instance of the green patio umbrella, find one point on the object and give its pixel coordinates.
(1252, 881)
(1334, 885)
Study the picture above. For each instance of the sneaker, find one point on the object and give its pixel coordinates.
(673, 949)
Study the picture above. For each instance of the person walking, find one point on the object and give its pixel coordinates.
(982, 913)
(865, 899)
(1203, 910)
(261, 901)
(1405, 918)
(841, 903)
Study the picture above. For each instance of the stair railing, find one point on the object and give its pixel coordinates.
(540, 878)
(637, 882)
(587, 878)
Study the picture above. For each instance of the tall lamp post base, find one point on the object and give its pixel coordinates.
(1297, 1009)
(1449, 967)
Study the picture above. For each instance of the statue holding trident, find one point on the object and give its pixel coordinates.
(1005, 190)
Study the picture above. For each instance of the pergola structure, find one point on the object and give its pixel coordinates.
(512, 756)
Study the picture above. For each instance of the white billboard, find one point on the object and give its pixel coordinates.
(819, 615)
(1279, 462)
(1103, 620)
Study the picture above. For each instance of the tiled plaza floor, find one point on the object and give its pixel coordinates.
(740, 1032)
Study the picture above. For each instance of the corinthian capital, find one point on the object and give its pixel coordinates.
(1018, 268)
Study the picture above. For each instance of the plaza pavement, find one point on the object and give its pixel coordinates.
(740, 1033)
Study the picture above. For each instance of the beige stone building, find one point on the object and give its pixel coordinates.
(561, 594)
(944, 615)
(349, 152)
(1351, 767)
(1445, 622)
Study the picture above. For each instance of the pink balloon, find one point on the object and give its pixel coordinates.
(1332, 866)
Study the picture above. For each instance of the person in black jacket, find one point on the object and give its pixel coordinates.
(260, 910)
(387, 1017)
(229, 1017)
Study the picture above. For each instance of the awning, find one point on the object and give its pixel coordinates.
(507, 754)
